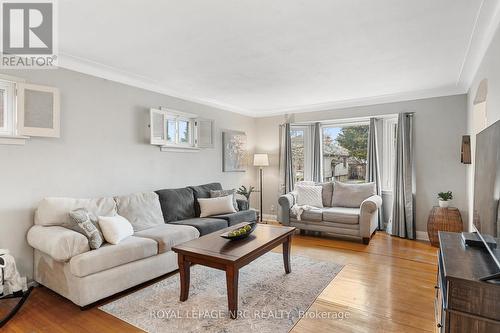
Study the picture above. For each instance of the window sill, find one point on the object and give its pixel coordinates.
(13, 139)
(386, 191)
(179, 149)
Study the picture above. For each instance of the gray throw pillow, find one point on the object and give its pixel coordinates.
(223, 193)
(351, 195)
(87, 224)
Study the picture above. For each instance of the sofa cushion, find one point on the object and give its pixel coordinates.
(115, 228)
(238, 217)
(204, 225)
(310, 215)
(351, 195)
(203, 191)
(223, 193)
(341, 215)
(177, 204)
(216, 206)
(142, 210)
(109, 256)
(86, 224)
(55, 211)
(309, 195)
(326, 193)
(58, 242)
(168, 235)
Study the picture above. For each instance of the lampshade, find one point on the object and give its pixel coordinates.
(260, 160)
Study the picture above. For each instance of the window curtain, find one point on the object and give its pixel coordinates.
(373, 164)
(316, 153)
(286, 165)
(402, 223)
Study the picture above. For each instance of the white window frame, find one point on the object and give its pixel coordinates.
(12, 131)
(389, 153)
(341, 123)
(308, 148)
(193, 121)
(9, 117)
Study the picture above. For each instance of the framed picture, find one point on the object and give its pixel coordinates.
(234, 151)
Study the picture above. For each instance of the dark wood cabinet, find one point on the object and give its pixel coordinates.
(464, 303)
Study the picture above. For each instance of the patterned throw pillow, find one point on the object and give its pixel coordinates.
(223, 193)
(87, 224)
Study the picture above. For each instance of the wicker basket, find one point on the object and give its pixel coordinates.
(443, 219)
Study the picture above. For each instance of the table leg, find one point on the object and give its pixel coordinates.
(184, 271)
(232, 290)
(286, 253)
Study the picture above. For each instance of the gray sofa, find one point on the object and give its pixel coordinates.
(340, 215)
(64, 262)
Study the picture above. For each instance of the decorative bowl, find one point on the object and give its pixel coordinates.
(252, 225)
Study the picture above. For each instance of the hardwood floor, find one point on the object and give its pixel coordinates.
(386, 286)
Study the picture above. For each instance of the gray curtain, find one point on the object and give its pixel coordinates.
(316, 153)
(403, 210)
(286, 165)
(373, 165)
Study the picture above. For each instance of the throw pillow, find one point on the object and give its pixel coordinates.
(216, 206)
(85, 223)
(309, 195)
(327, 193)
(115, 228)
(223, 193)
(351, 195)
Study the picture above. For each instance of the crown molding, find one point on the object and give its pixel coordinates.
(111, 73)
(100, 70)
(485, 26)
(364, 101)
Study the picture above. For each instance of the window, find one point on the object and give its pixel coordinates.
(301, 154)
(178, 131)
(7, 110)
(27, 110)
(345, 150)
(389, 153)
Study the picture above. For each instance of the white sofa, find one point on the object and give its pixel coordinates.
(348, 210)
(64, 263)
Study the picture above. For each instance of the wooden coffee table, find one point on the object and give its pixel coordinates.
(214, 251)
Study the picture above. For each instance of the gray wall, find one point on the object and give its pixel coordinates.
(439, 125)
(490, 70)
(103, 151)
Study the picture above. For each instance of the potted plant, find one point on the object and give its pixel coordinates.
(246, 192)
(444, 199)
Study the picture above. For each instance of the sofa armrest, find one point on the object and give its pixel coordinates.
(58, 242)
(243, 204)
(372, 203)
(286, 201)
(368, 219)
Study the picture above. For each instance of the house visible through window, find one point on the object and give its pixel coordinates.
(345, 153)
(298, 148)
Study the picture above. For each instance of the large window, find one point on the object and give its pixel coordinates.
(345, 152)
(301, 154)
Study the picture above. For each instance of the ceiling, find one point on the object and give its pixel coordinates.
(269, 57)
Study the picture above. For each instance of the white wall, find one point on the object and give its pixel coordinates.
(439, 125)
(490, 70)
(103, 151)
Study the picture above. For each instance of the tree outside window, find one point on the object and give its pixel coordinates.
(345, 153)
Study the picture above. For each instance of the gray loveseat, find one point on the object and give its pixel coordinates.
(64, 262)
(345, 211)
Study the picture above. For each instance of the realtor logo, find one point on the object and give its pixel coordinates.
(28, 34)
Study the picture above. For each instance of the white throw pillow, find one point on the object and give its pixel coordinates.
(216, 206)
(309, 195)
(115, 228)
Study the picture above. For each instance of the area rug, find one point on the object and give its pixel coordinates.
(269, 299)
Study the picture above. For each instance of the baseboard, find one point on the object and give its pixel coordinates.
(422, 235)
(269, 217)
